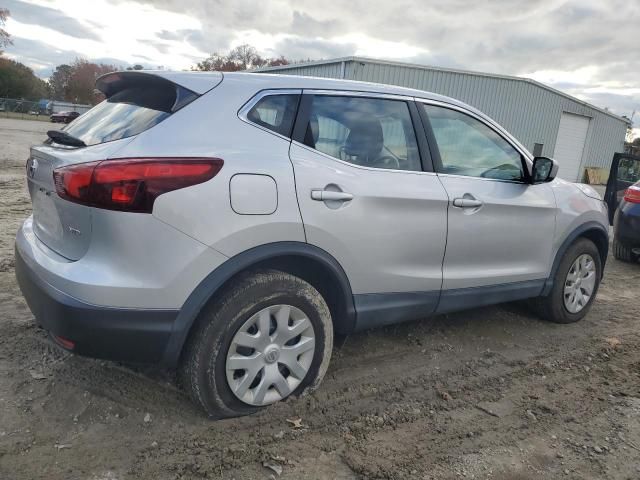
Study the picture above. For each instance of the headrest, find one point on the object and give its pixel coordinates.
(365, 139)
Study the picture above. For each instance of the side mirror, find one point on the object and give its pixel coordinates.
(544, 170)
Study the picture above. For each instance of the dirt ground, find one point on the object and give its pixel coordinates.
(493, 393)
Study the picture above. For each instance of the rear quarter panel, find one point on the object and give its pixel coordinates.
(210, 127)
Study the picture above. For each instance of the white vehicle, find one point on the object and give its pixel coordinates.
(230, 224)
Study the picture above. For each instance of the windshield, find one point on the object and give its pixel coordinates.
(126, 113)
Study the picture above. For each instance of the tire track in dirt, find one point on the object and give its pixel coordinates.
(492, 393)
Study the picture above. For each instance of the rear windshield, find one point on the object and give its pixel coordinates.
(128, 112)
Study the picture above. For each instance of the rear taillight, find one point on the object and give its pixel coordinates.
(131, 184)
(632, 194)
(64, 342)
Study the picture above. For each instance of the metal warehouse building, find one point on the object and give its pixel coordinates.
(546, 121)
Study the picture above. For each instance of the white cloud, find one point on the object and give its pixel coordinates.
(581, 76)
(364, 44)
(373, 47)
(126, 31)
(614, 90)
(582, 47)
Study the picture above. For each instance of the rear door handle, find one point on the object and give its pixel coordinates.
(466, 203)
(324, 195)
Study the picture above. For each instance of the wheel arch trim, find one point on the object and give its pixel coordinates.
(219, 277)
(582, 230)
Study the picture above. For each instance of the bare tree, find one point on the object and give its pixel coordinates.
(5, 38)
(246, 56)
(242, 57)
(276, 62)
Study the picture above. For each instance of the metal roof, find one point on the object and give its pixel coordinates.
(440, 69)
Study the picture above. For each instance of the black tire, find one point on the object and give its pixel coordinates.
(202, 369)
(622, 252)
(552, 307)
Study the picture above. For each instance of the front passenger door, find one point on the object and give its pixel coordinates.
(500, 228)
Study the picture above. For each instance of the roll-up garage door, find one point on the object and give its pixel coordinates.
(570, 144)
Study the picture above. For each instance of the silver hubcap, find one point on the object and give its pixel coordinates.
(270, 355)
(580, 283)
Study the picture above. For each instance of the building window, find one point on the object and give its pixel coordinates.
(537, 149)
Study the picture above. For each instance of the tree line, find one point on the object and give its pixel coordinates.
(75, 82)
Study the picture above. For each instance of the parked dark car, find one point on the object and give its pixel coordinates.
(64, 117)
(623, 200)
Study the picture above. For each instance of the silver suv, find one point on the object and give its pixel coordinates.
(229, 224)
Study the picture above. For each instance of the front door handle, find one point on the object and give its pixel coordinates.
(324, 195)
(466, 203)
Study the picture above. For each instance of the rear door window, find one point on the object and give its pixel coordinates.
(370, 132)
(129, 112)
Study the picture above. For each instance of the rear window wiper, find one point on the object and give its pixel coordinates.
(64, 138)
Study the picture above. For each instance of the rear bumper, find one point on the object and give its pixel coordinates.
(130, 335)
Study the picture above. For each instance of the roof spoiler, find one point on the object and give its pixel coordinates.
(196, 82)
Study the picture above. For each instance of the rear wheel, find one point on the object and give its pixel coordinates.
(575, 284)
(269, 336)
(622, 252)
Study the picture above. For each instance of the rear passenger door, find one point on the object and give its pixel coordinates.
(366, 199)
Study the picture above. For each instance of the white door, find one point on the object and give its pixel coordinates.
(572, 136)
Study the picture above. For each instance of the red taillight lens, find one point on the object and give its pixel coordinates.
(131, 184)
(64, 342)
(72, 183)
(632, 194)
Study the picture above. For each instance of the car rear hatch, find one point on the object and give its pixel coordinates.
(135, 102)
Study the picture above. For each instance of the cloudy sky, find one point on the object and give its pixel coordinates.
(587, 48)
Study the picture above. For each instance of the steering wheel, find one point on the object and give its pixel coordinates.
(500, 170)
(386, 161)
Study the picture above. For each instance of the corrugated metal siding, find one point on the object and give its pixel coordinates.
(331, 70)
(529, 112)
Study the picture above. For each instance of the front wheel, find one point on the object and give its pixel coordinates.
(268, 337)
(575, 284)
